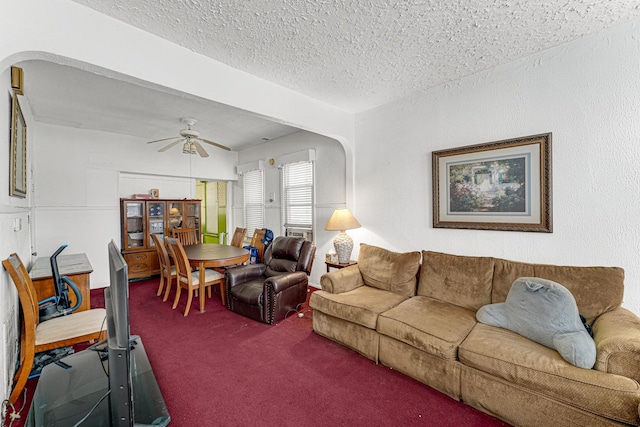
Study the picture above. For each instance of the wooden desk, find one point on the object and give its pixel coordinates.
(211, 255)
(338, 265)
(75, 266)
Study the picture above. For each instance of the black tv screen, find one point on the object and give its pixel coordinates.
(116, 297)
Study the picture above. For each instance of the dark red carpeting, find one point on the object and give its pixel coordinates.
(221, 369)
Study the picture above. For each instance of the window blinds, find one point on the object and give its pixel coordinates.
(253, 187)
(297, 195)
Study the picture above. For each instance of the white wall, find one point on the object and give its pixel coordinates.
(587, 93)
(11, 209)
(80, 176)
(330, 187)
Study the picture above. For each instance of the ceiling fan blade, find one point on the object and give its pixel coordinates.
(160, 140)
(199, 149)
(216, 144)
(173, 144)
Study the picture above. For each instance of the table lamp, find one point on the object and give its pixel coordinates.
(342, 219)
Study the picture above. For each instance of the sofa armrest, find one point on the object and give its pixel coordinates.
(285, 281)
(617, 337)
(243, 273)
(343, 280)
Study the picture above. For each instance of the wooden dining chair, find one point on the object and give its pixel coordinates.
(187, 236)
(36, 336)
(256, 242)
(190, 280)
(238, 241)
(167, 268)
(238, 237)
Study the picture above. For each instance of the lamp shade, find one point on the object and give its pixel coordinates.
(342, 219)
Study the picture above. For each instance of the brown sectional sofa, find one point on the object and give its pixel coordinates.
(418, 317)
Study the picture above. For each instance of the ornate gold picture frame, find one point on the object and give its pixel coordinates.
(502, 185)
(18, 151)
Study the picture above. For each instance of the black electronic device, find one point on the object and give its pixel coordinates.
(116, 299)
(59, 304)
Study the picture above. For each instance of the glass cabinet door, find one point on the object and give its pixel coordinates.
(133, 214)
(155, 218)
(192, 216)
(175, 216)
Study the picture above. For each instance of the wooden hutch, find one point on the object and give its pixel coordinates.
(140, 218)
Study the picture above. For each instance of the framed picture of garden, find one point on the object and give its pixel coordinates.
(502, 185)
(18, 151)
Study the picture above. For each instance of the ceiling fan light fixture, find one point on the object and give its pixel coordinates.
(190, 140)
(186, 147)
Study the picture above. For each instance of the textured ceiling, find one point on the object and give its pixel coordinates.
(359, 54)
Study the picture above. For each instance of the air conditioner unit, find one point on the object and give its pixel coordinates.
(299, 232)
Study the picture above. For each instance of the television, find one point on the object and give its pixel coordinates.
(116, 300)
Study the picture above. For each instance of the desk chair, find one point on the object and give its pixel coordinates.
(190, 280)
(36, 336)
(238, 237)
(187, 236)
(167, 269)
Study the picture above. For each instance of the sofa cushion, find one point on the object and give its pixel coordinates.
(361, 305)
(504, 274)
(390, 271)
(596, 289)
(545, 312)
(460, 280)
(430, 325)
(515, 359)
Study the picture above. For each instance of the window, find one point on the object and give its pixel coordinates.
(297, 195)
(253, 187)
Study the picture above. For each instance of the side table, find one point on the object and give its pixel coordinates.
(338, 265)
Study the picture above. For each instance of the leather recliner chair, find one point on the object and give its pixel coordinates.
(267, 292)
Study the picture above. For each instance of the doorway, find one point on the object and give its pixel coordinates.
(214, 210)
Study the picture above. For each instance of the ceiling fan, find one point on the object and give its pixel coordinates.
(190, 140)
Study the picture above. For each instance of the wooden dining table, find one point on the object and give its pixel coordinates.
(211, 255)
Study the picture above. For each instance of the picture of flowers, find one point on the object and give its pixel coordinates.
(488, 186)
(503, 185)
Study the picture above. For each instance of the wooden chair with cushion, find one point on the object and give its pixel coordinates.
(167, 269)
(187, 236)
(237, 241)
(36, 336)
(238, 237)
(190, 280)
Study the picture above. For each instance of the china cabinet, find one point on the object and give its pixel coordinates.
(141, 218)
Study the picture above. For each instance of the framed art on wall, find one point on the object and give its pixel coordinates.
(502, 185)
(17, 81)
(18, 152)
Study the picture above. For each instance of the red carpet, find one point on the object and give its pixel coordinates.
(221, 369)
